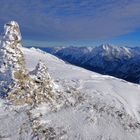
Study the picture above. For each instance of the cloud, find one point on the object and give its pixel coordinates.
(72, 19)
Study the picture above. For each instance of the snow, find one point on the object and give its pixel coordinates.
(91, 106)
(17, 84)
(107, 93)
(11, 58)
(84, 105)
(87, 80)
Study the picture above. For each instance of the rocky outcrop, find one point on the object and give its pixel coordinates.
(43, 82)
(12, 63)
(17, 83)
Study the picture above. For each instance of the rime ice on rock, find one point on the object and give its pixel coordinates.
(12, 33)
(12, 64)
(15, 81)
(41, 73)
(42, 81)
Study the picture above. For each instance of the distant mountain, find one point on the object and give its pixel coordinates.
(121, 62)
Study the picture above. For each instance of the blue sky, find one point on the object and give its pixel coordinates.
(74, 22)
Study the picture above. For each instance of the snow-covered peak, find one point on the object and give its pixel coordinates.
(113, 50)
(106, 46)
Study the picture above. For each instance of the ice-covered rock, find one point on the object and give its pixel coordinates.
(85, 105)
(16, 82)
(12, 33)
(41, 73)
(12, 64)
(42, 81)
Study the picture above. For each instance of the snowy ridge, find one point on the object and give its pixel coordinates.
(102, 97)
(75, 104)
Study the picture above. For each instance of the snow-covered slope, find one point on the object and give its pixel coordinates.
(96, 107)
(109, 109)
(66, 103)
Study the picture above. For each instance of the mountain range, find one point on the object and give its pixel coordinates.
(121, 62)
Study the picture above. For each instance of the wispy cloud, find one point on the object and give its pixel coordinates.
(72, 19)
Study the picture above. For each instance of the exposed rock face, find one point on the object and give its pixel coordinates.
(16, 82)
